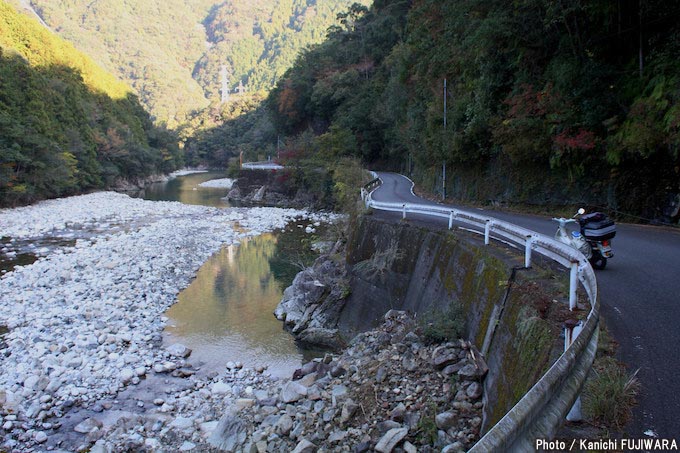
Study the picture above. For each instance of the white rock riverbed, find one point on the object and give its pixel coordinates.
(85, 322)
(223, 183)
(63, 215)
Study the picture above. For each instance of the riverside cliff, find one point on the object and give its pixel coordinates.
(507, 310)
(272, 188)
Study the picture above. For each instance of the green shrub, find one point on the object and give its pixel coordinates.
(234, 167)
(348, 177)
(426, 430)
(610, 393)
(440, 326)
(380, 262)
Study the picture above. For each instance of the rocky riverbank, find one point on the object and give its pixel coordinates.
(84, 368)
(272, 188)
(311, 305)
(85, 320)
(388, 391)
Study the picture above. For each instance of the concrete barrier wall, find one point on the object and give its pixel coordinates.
(507, 308)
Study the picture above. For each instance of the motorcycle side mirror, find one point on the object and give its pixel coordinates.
(581, 211)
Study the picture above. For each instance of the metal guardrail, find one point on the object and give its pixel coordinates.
(266, 165)
(372, 184)
(543, 408)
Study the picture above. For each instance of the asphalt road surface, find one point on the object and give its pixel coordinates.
(640, 299)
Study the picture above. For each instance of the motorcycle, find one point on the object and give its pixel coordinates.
(593, 238)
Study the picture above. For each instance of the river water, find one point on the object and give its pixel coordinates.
(225, 315)
(186, 190)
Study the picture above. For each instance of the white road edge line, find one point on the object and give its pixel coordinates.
(412, 185)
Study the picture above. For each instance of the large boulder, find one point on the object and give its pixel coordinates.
(230, 434)
(390, 440)
(311, 306)
(318, 336)
(305, 291)
(293, 391)
(258, 195)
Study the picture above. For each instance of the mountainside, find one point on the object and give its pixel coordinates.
(534, 101)
(531, 102)
(67, 125)
(177, 55)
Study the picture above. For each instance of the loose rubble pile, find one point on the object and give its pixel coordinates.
(182, 416)
(386, 392)
(387, 389)
(83, 368)
(85, 322)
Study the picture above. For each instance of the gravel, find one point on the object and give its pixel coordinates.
(86, 321)
(224, 183)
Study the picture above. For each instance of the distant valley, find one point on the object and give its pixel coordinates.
(180, 56)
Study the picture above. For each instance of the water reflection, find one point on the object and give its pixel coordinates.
(22, 252)
(8, 263)
(186, 189)
(226, 312)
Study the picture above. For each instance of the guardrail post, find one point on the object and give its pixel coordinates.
(573, 282)
(527, 251)
(510, 433)
(572, 329)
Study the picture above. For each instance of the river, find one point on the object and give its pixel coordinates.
(96, 288)
(226, 313)
(186, 189)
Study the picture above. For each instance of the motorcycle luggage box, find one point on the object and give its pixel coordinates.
(599, 230)
(592, 217)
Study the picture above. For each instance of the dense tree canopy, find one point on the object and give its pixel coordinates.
(546, 101)
(66, 125)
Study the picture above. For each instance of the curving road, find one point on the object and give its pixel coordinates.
(640, 296)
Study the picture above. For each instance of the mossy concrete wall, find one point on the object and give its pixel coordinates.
(505, 309)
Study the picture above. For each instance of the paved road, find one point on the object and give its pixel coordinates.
(640, 296)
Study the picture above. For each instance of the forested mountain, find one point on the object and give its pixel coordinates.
(67, 125)
(177, 54)
(546, 101)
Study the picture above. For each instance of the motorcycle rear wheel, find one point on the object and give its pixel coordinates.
(598, 261)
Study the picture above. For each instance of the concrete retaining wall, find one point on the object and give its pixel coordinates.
(510, 314)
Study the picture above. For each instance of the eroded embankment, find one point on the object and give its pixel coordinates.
(512, 314)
